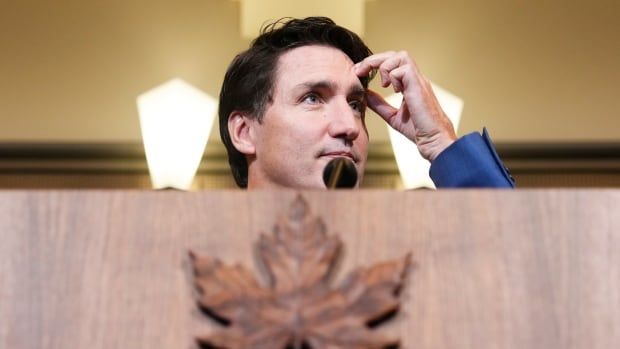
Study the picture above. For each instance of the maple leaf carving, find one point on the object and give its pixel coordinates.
(298, 308)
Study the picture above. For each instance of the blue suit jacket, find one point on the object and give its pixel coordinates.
(471, 162)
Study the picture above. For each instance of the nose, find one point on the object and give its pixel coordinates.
(344, 122)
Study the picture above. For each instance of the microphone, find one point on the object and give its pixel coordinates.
(340, 173)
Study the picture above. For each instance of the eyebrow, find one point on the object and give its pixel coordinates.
(355, 90)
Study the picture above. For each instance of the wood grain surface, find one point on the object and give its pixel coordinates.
(492, 269)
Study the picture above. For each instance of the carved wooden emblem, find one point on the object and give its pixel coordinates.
(299, 308)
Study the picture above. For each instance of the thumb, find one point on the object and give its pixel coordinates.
(380, 105)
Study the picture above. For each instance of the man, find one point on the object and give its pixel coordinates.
(297, 98)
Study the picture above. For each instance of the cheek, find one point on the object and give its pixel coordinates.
(364, 137)
(304, 140)
(293, 131)
(283, 141)
(306, 129)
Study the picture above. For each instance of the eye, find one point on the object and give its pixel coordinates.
(357, 105)
(312, 98)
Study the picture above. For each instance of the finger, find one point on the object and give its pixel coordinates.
(394, 62)
(386, 67)
(380, 105)
(369, 63)
(373, 62)
(385, 78)
(387, 62)
(397, 77)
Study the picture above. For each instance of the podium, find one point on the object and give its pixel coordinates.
(490, 268)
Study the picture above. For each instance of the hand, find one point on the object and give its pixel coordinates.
(420, 117)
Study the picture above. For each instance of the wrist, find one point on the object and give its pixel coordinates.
(431, 148)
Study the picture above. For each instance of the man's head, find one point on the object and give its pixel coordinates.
(292, 101)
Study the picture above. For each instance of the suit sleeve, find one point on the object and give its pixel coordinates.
(471, 162)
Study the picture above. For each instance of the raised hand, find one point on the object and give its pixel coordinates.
(420, 117)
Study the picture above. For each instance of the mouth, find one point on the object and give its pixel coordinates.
(342, 154)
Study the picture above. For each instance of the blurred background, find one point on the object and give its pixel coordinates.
(542, 76)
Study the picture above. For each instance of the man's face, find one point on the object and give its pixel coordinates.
(316, 115)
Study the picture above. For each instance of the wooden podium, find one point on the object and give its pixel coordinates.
(491, 269)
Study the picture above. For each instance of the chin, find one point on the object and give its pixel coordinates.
(312, 185)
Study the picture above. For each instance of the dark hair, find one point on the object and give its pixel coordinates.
(248, 83)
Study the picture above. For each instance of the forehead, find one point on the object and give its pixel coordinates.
(314, 63)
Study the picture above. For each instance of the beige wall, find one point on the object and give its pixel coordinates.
(529, 70)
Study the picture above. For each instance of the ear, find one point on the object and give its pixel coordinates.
(240, 128)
